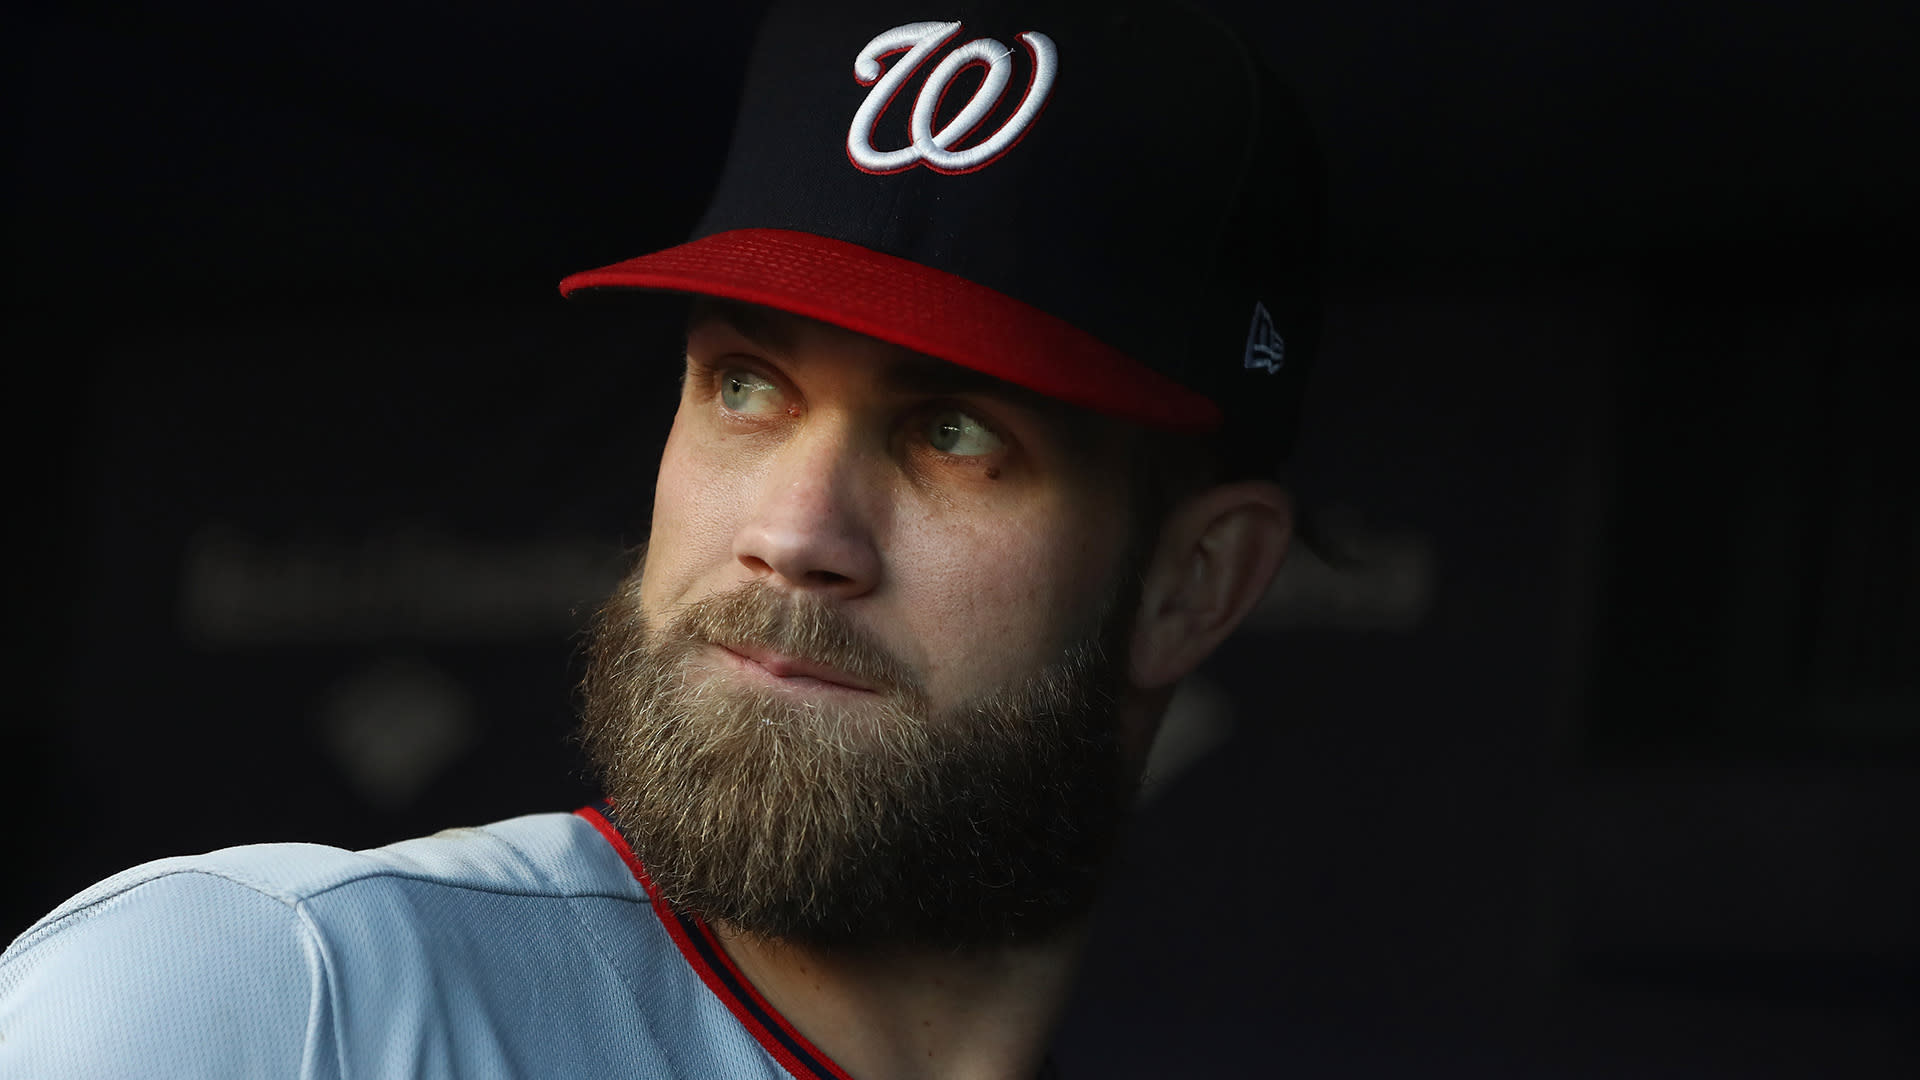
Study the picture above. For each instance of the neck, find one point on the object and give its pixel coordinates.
(904, 1014)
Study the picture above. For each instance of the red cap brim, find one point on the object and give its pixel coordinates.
(929, 311)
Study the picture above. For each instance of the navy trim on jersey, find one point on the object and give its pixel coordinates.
(703, 953)
(774, 1024)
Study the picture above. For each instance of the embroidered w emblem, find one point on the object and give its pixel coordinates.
(1265, 347)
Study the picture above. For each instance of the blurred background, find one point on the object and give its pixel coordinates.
(1602, 761)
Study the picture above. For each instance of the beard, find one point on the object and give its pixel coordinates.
(831, 823)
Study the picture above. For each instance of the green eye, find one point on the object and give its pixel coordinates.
(954, 432)
(746, 392)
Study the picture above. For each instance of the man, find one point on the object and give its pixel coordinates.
(999, 331)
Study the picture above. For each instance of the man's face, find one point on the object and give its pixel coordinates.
(972, 525)
(862, 687)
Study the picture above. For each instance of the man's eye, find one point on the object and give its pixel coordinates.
(745, 392)
(954, 432)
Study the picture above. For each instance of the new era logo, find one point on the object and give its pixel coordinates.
(1265, 347)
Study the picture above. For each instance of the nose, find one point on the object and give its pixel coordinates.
(811, 525)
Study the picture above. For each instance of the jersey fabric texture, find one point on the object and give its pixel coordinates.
(533, 947)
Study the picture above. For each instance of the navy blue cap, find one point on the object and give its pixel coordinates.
(1116, 204)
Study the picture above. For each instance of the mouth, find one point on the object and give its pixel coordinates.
(794, 672)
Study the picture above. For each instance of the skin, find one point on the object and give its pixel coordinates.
(974, 527)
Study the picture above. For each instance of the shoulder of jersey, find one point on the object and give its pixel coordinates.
(554, 855)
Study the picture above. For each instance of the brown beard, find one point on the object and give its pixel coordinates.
(871, 824)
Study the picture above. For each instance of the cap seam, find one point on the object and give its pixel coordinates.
(1249, 147)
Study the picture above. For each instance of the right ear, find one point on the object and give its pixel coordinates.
(1218, 551)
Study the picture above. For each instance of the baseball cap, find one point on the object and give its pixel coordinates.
(1117, 205)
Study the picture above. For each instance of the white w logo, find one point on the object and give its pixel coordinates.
(919, 41)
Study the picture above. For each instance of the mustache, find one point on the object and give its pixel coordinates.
(803, 627)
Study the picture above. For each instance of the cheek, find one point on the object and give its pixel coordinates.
(692, 529)
(998, 602)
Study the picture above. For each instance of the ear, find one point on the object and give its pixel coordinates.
(1217, 553)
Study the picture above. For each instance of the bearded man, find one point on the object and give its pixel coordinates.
(997, 340)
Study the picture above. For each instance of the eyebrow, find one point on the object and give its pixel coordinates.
(909, 374)
(756, 324)
(920, 374)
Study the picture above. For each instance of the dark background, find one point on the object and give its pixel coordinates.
(1602, 763)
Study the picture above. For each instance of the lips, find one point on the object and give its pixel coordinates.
(795, 669)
